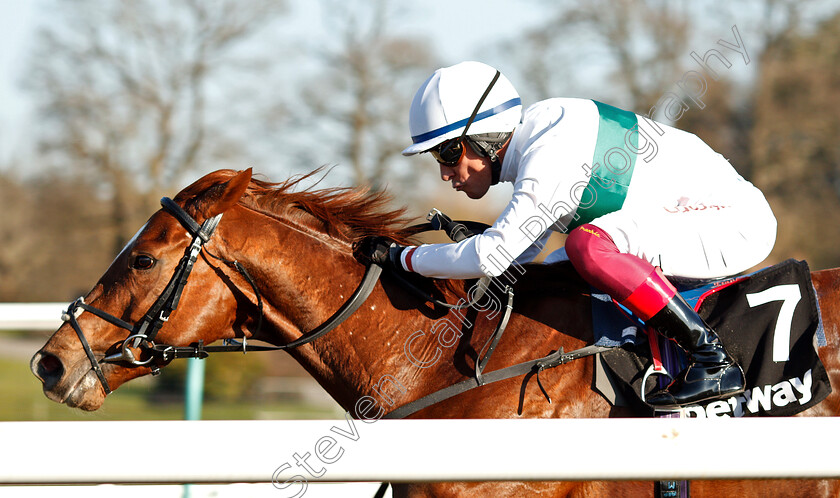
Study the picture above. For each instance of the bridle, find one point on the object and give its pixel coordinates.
(143, 333)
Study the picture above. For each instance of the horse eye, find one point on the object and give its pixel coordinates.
(143, 262)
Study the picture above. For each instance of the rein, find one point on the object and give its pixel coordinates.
(348, 308)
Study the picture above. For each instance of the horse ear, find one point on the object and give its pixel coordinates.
(222, 197)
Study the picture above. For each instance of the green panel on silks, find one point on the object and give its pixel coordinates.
(612, 164)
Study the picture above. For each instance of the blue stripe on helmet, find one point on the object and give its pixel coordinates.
(454, 126)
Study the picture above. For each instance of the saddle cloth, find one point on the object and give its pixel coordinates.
(768, 321)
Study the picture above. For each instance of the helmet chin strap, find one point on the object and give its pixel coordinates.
(495, 172)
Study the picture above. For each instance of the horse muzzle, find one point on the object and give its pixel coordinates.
(76, 387)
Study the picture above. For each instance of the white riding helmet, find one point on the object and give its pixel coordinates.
(442, 106)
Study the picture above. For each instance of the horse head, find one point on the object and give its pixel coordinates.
(108, 335)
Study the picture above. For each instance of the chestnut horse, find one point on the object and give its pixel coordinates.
(296, 251)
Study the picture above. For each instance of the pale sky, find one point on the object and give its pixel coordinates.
(16, 21)
(460, 30)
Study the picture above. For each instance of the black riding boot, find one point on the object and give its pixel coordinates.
(711, 373)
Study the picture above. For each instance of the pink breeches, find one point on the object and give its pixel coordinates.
(628, 279)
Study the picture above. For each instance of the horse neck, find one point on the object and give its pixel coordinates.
(304, 276)
(395, 347)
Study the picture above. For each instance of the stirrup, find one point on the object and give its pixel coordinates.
(653, 371)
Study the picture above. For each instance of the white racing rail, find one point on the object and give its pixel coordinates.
(31, 316)
(292, 453)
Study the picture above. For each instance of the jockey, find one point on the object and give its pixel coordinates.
(639, 200)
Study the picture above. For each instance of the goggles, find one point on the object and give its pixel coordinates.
(449, 153)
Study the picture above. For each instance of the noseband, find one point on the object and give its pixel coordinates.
(142, 333)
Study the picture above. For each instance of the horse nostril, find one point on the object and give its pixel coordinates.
(48, 368)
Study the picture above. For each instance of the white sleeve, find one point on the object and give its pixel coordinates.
(536, 247)
(535, 205)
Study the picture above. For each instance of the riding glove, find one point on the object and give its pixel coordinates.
(379, 250)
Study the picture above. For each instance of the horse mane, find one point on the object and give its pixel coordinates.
(351, 213)
(345, 213)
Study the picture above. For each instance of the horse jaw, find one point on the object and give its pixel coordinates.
(87, 395)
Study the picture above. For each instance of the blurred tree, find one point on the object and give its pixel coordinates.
(728, 118)
(628, 50)
(18, 256)
(359, 100)
(54, 238)
(795, 150)
(134, 94)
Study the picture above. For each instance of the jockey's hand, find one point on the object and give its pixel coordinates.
(379, 250)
